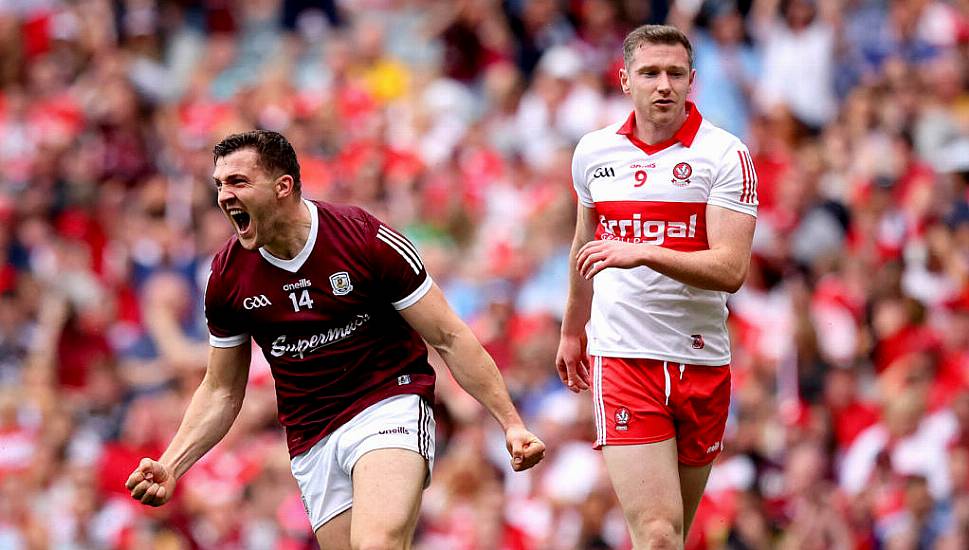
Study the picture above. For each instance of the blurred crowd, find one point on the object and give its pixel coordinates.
(454, 121)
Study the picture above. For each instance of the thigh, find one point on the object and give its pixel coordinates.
(631, 401)
(693, 479)
(647, 482)
(324, 485)
(702, 402)
(387, 486)
(324, 471)
(335, 534)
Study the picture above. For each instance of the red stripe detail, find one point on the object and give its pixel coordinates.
(753, 179)
(743, 167)
(674, 225)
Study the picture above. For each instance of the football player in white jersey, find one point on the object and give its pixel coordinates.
(666, 216)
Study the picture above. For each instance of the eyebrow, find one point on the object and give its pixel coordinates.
(230, 177)
(658, 67)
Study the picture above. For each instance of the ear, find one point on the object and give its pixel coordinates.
(624, 80)
(284, 186)
(692, 77)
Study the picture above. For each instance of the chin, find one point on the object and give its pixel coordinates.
(665, 116)
(249, 244)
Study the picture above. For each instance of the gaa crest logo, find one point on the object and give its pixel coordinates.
(681, 174)
(697, 341)
(340, 281)
(622, 419)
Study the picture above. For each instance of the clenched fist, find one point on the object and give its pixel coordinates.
(525, 449)
(151, 483)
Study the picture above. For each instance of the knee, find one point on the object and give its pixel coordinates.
(661, 534)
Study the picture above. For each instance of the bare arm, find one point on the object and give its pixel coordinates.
(474, 370)
(570, 358)
(721, 267)
(470, 364)
(210, 414)
(579, 300)
(213, 408)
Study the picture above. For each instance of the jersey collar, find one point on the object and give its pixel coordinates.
(293, 265)
(685, 135)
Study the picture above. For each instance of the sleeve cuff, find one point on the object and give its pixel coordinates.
(736, 207)
(413, 297)
(228, 342)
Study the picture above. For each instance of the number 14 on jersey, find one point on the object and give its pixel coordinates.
(304, 300)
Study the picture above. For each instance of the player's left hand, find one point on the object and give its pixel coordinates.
(525, 448)
(598, 255)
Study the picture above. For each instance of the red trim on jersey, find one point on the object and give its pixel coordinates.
(675, 225)
(685, 135)
(753, 179)
(749, 192)
(743, 168)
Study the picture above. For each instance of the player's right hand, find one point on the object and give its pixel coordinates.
(151, 483)
(571, 363)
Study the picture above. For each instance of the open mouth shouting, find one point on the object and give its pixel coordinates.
(240, 219)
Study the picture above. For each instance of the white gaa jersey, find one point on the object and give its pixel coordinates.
(657, 195)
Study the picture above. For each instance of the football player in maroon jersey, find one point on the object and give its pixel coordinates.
(341, 306)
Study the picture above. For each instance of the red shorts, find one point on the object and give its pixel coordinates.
(639, 401)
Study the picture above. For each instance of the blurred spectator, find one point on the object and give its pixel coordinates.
(798, 41)
(455, 121)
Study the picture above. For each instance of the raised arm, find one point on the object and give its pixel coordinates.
(474, 370)
(210, 414)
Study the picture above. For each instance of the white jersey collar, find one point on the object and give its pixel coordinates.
(293, 265)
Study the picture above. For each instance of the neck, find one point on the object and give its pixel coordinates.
(291, 229)
(653, 133)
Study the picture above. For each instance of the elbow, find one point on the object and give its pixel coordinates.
(444, 341)
(734, 280)
(225, 396)
(732, 287)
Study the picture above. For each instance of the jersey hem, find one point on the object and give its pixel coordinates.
(296, 449)
(228, 341)
(627, 441)
(715, 362)
(731, 206)
(413, 297)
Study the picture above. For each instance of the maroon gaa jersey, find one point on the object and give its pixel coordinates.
(327, 320)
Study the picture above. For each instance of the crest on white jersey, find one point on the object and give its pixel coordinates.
(340, 281)
(682, 173)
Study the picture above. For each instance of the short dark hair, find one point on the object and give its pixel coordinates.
(654, 34)
(276, 154)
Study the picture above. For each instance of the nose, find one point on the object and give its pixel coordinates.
(663, 82)
(225, 194)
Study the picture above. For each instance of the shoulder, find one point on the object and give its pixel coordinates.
(228, 257)
(713, 136)
(347, 213)
(716, 142)
(345, 218)
(595, 143)
(598, 138)
(230, 260)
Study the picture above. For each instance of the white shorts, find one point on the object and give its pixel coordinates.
(324, 473)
